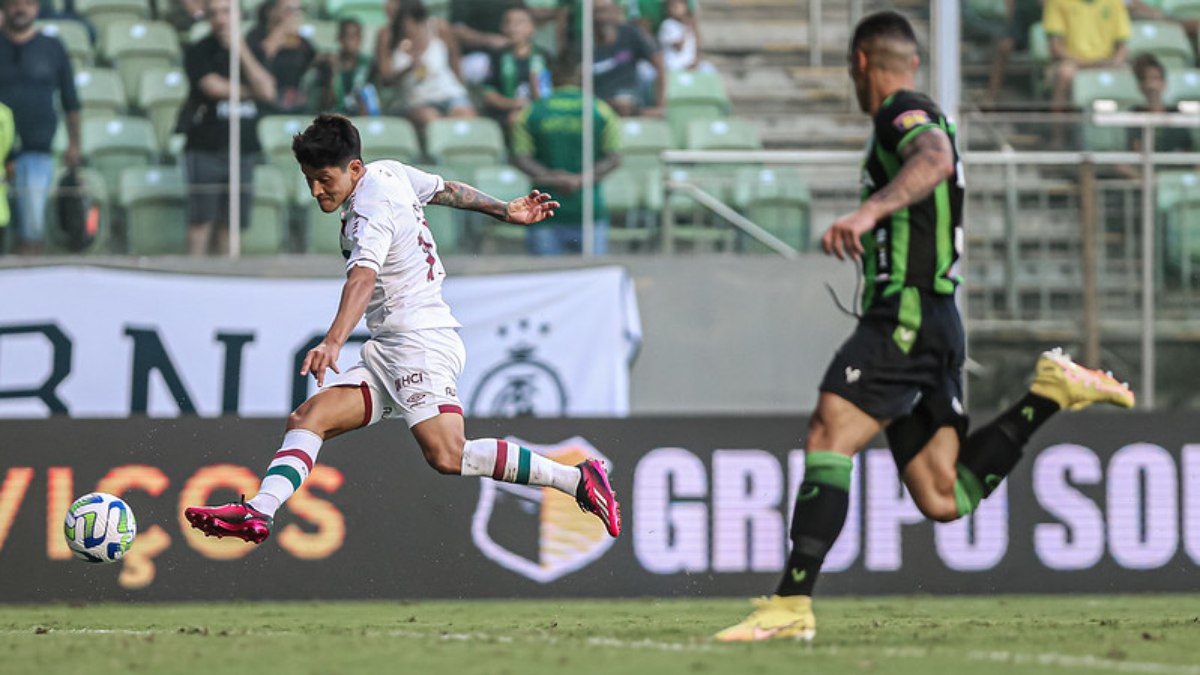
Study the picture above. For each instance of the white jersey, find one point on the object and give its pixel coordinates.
(384, 228)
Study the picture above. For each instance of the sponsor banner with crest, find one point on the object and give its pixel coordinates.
(91, 342)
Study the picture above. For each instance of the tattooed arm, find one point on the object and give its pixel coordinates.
(532, 208)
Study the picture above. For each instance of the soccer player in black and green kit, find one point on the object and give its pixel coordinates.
(901, 370)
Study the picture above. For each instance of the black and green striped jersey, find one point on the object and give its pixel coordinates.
(917, 246)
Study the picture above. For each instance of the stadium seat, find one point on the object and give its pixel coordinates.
(101, 93)
(731, 134)
(1165, 39)
(115, 144)
(465, 144)
(370, 13)
(323, 34)
(502, 182)
(1182, 85)
(268, 216)
(776, 200)
(632, 221)
(643, 140)
(1117, 86)
(989, 9)
(1181, 9)
(94, 187)
(692, 96)
(160, 95)
(154, 200)
(1178, 206)
(136, 47)
(388, 138)
(74, 37)
(700, 227)
(275, 134)
(100, 13)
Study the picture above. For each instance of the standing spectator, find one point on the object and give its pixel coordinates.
(547, 144)
(520, 73)
(477, 27)
(420, 58)
(680, 38)
(286, 54)
(1152, 81)
(205, 118)
(1083, 34)
(33, 68)
(344, 77)
(620, 46)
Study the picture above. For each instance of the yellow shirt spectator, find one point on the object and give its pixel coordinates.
(1090, 29)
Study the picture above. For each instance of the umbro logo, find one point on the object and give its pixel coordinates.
(852, 374)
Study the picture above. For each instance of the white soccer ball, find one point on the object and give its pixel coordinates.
(99, 527)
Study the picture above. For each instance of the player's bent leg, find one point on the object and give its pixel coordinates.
(330, 412)
(442, 438)
(932, 478)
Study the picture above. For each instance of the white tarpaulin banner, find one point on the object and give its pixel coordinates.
(93, 342)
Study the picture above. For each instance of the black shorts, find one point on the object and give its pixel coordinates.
(207, 175)
(908, 372)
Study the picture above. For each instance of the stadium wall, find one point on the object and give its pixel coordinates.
(1104, 502)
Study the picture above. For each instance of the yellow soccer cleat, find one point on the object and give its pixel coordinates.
(774, 618)
(1074, 387)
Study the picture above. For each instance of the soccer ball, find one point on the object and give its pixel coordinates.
(99, 528)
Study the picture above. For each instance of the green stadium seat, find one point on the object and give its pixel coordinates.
(74, 37)
(101, 93)
(268, 215)
(730, 134)
(989, 9)
(502, 182)
(370, 13)
(155, 203)
(115, 144)
(627, 194)
(388, 138)
(1178, 206)
(94, 187)
(275, 134)
(136, 47)
(160, 95)
(693, 96)
(700, 226)
(100, 13)
(776, 200)
(322, 35)
(643, 140)
(465, 144)
(1165, 39)
(1181, 9)
(1119, 87)
(1182, 85)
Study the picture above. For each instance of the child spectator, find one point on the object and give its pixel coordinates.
(419, 56)
(1152, 81)
(344, 77)
(680, 38)
(520, 73)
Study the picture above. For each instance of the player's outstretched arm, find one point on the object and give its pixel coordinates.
(532, 208)
(928, 161)
(356, 294)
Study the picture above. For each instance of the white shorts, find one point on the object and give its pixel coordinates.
(413, 375)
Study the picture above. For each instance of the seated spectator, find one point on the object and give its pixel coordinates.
(420, 58)
(619, 48)
(204, 120)
(1152, 81)
(520, 73)
(477, 27)
(286, 54)
(547, 143)
(1082, 34)
(1006, 37)
(344, 77)
(680, 38)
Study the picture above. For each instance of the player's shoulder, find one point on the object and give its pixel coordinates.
(906, 110)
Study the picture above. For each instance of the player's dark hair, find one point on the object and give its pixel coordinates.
(886, 24)
(1146, 62)
(331, 140)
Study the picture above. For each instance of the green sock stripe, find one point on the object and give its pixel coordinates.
(968, 491)
(828, 468)
(288, 473)
(523, 467)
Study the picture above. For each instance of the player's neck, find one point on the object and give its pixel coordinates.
(885, 84)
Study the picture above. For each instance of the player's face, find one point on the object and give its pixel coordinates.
(331, 186)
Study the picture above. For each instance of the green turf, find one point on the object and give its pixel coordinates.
(1006, 634)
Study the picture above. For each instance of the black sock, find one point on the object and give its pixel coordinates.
(992, 451)
(817, 519)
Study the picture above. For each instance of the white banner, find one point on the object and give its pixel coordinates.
(91, 342)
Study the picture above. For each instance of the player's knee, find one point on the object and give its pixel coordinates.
(303, 418)
(445, 459)
(938, 509)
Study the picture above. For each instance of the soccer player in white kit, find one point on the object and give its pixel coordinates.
(410, 366)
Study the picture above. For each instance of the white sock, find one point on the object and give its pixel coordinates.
(511, 463)
(287, 470)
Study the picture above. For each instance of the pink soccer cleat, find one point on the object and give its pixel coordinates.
(235, 519)
(595, 495)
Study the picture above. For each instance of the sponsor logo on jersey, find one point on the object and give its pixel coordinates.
(539, 532)
(415, 399)
(409, 380)
(911, 119)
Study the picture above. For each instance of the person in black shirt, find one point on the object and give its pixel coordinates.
(286, 54)
(620, 47)
(205, 121)
(33, 68)
(1152, 81)
(900, 372)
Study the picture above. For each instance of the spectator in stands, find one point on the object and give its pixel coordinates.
(1006, 37)
(182, 14)
(547, 143)
(477, 25)
(284, 52)
(1082, 34)
(520, 72)
(204, 119)
(680, 38)
(33, 69)
(1140, 9)
(420, 57)
(620, 47)
(1152, 80)
(344, 77)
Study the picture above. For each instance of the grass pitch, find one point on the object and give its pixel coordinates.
(1004, 634)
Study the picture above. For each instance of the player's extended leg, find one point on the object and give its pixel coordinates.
(838, 429)
(328, 413)
(446, 448)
